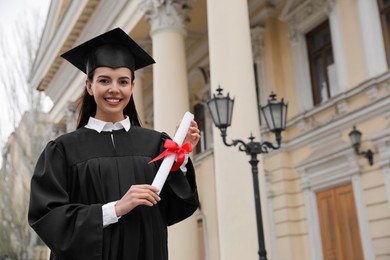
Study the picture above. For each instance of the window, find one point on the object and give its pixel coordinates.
(321, 61)
(384, 10)
(199, 114)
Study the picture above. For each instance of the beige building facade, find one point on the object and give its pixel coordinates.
(18, 159)
(327, 58)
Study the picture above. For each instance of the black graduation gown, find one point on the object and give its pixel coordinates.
(79, 172)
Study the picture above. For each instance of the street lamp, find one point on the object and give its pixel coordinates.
(355, 136)
(275, 114)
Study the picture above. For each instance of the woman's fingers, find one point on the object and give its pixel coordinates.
(149, 194)
(193, 134)
(137, 195)
(145, 192)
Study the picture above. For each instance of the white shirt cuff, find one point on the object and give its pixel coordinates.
(183, 167)
(109, 214)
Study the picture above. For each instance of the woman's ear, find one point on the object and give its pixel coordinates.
(88, 87)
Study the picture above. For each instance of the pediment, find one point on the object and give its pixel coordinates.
(332, 161)
(298, 11)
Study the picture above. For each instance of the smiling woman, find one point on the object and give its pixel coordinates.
(96, 181)
(111, 89)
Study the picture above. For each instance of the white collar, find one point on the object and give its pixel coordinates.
(102, 126)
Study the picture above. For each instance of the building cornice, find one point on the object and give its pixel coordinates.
(342, 117)
(49, 62)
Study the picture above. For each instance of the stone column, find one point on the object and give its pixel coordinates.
(138, 94)
(170, 95)
(170, 84)
(231, 66)
(372, 38)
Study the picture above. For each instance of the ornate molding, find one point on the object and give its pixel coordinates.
(333, 168)
(299, 12)
(342, 108)
(167, 14)
(71, 117)
(293, 35)
(373, 93)
(329, 5)
(257, 38)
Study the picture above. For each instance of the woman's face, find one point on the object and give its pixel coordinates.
(111, 89)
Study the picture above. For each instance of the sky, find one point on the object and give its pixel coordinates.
(12, 10)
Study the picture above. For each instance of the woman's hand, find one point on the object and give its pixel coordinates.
(193, 134)
(143, 194)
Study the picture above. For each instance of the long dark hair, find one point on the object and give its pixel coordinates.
(87, 107)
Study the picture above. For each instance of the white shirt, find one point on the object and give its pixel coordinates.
(102, 126)
(109, 213)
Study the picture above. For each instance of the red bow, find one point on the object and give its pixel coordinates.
(173, 148)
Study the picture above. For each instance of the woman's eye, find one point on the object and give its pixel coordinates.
(103, 81)
(123, 82)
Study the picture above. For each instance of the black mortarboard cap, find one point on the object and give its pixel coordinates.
(113, 49)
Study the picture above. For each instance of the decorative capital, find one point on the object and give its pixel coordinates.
(293, 36)
(329, 6)
(167, 14)
(257, 37)
(70, 115)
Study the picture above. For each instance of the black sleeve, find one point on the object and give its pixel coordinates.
(70, 230)
(179, 194)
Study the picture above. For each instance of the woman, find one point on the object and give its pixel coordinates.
(91, 196)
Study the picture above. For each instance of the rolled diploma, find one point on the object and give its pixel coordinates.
(168, 161)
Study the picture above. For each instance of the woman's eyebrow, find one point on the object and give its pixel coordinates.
(108, 77)
(124, 77)
(103, 76)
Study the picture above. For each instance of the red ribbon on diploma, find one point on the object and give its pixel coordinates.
(173, 148)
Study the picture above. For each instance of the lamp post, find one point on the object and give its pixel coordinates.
(275, 114)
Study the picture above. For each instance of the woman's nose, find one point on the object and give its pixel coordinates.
(113, 88)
